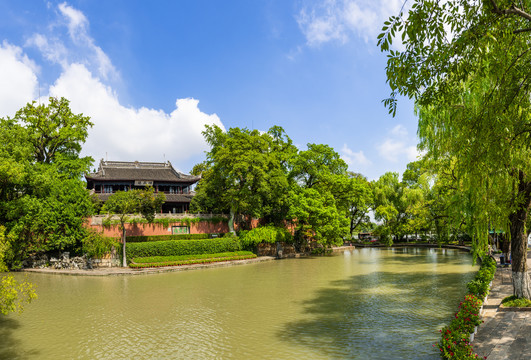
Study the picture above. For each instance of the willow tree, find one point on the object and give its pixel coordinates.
(467, 66)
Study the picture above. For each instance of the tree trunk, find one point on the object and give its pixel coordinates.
(521, 283)
(231, 222)
(123, 246)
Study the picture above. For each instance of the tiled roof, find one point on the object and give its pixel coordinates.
(148, 171)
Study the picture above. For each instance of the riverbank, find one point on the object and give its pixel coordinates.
(114, 271)
(421, 245)
(506, 332)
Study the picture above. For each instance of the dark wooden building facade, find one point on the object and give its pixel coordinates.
(113, 176)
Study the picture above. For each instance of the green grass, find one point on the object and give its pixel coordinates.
(513, 301)
(158, 261)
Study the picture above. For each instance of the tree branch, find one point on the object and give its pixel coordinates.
(512, 11)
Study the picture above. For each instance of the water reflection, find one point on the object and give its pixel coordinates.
(366, 304)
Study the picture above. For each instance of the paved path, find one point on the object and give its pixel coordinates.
(504, 334)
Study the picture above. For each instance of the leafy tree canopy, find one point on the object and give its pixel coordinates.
(467, 65)
(43, 200)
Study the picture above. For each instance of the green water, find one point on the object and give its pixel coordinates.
(363, 304)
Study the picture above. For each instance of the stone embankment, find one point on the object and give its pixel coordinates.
(63, 261)
(128, 271)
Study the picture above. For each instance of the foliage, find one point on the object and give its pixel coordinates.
(266, 234)
(394, 204)
(206, 260)
(43, 201)
(514, 301)
(124, 203)
(454, 337)
(321, 198)
(262, 175)
(359, 200)
(244, 174)
(184, 247)
(96, 245)
(480, 285)
(167, 259)
(13, 294)
(153, 259)
(467, 64)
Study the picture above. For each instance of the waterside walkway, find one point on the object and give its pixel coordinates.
(506, 332)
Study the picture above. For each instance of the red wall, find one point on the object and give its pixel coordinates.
(202, 227)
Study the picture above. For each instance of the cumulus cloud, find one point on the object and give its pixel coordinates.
(354, 159)
(339, 20)
(128, 133)
(120, 132)
(398, 145)
(19, 80)
(80, 48)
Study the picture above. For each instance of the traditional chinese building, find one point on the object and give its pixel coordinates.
(113, 176)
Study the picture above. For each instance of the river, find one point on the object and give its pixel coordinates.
(361, 304)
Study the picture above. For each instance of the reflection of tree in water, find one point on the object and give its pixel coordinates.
(10, 348)
(379, 315)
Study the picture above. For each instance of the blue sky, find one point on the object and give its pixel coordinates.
(152, 74)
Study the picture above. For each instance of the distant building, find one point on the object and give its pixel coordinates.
(113, 176)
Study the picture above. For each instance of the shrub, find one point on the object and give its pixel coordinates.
(267, 234)
(153, 259)
(193, 261)
(183, 247)
(454, 337)
(513, 301)
(96, 245)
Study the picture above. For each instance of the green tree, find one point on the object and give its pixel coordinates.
(125, 204)
(43, 201)
(390, 207)
(13, 294)
(359, 198)
(466, 64)
(245, 174)
(319, 197)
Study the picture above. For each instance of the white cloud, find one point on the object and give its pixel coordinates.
(81, 49)
(119, 132)
(398, 145)
(19, 80)
(338, 20)
(53, 50)
(126, 133)
(77, 22)
(399, 130)
(322, 23)
(354, 159)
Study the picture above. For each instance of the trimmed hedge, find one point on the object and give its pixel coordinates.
(154, 259)
(193, 261)
(183, 247)
(137, 239)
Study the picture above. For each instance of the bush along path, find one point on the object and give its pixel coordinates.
(456, 337)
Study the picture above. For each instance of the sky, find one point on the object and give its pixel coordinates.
(152, 74)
